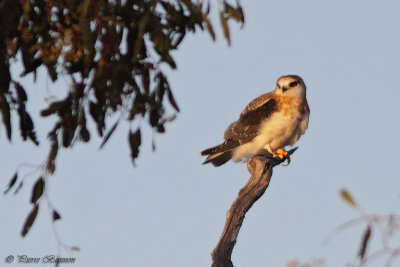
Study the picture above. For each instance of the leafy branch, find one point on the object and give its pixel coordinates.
(385, 225)
(112, 53)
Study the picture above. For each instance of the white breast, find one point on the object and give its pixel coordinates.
(279, 130)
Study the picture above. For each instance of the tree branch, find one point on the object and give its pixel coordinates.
(260, 168)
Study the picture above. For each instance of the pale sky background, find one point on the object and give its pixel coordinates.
(170, 209)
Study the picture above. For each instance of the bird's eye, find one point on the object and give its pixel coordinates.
(293, 84)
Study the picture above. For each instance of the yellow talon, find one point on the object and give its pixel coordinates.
(281, 153)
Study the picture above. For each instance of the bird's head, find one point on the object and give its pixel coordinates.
(290, 85)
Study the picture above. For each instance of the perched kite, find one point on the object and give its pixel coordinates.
(270, 122)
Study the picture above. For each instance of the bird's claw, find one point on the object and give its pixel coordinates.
(282, 155)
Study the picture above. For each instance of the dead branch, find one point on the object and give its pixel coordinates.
(260, 168)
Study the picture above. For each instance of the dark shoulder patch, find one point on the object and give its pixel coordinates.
(248, 125)
(259, 114)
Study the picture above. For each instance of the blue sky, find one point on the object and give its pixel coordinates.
(170, 210)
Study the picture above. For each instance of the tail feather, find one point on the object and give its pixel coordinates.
(210, 150)
(227, 145)
(221, 153)
(219, 159)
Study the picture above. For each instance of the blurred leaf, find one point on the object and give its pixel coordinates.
(30, 220)
(97, 113)
(146, 80)
(134, 142)
(51, 166)
(225, 27)
(5, 111)
(171, 96)
(364, 242)
(37, 190)
(18, 188)
(84, 133)
(235, 13)
(26, 124)
(12, 182)
(52, 72)
(108, 135)
(209, 26)
(347, 197)
(22, 98)
(56, 216)
(53, 108)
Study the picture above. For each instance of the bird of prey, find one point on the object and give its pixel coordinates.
(269, 122)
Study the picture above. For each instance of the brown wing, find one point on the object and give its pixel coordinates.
(248, 125)
(243, 130)
(257, 102)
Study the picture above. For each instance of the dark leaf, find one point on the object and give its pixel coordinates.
(56, 216)
(154, 117)
(31, 131)
(225, 27)
(52, 72)
(172, 99)
(30, 220)
(21, 92)
(146, 80)
(5, 77)
(209, 26)
(167, 58)
(12, 182)
(18, 188)
(26, 124)
(30, 63)
(134, 143)
(235, 13)
(108, 135)
(97, 113)
(364, 242)
(37, 190)
(84, 134)
(68, 131)
(53, 108)
(51, 159)
(242, 15)
(6, 114)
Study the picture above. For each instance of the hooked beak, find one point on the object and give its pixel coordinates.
(284, 89)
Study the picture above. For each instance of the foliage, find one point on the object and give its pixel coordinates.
(111, 51)
(385, 226)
